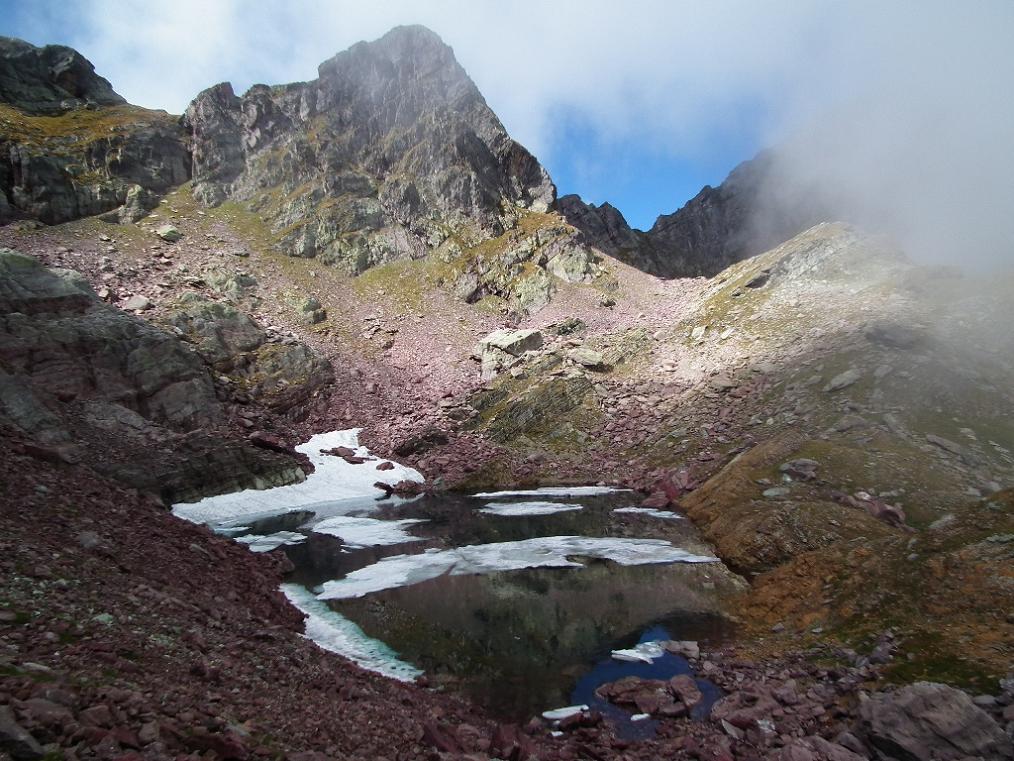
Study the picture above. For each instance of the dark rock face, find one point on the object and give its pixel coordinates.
(51, 79)
(60, 338)
(89, 382)
(718, 227)
(70, 147)
(390, 151)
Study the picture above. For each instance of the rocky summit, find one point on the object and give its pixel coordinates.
(821, 420)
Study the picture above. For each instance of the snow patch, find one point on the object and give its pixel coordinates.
(517, 509)
(558, 714)
(649, 512)
(332, 631)
(266, 543)
(541, 552)
(333, 481)
(368, 532)
(552, 491)
(645, 652)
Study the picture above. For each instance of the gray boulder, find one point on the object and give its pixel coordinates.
(497, 350)
(926, 721)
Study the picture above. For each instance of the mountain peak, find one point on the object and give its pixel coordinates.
(384, 155)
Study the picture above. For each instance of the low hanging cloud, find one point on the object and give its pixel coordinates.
(900, 112)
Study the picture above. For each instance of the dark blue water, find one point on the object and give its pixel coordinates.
(665, 667)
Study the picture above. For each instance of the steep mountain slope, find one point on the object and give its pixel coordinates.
(390, 154)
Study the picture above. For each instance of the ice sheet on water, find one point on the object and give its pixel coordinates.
(268, 542)
(333, 481)
(644, 652)
(649, 512)
(368, 532)
(334, 632)
(540, 552)
(519, 509)
(552, 491)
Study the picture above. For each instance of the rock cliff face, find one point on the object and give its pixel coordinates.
(390, 151)
(718, 227)
(91, 383)
(70, 147)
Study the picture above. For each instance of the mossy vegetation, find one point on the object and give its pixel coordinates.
(67, 132)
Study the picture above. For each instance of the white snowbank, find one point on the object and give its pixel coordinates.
(645, 652)
(649, 512)
(268, 542)
(333, 480)
(368, 532)
(562, 713)
(552, 491)
(541, 552)
(517, 509)
(334, 632)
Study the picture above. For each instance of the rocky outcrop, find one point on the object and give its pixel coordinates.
(502, 348)
(88, 382)
(278, 374)
(932, 722)
(70, 147)
(720, 226)
(51, 79)
(391, 149)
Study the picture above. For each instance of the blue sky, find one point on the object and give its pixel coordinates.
(900, 109)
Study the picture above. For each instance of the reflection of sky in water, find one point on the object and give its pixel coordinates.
(664, 667)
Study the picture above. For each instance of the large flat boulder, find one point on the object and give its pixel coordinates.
(926, 721)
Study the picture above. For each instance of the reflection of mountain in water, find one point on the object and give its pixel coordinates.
(518, 640)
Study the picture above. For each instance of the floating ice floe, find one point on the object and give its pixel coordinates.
(368, 532)
(644, 652)
(640, 717)
(333, 480)
(648, 512)
(268, 542)
(558, 714)
(520, 509)
(332, 631)
(540, 552)
(552, 491)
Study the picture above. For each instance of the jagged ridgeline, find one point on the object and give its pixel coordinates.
(390, 154)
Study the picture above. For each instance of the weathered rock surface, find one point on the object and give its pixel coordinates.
(932, 722)
(391, 149)
(71, 147)
(279, 374)
(501, 348)
(90, 382)
(51, 79)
